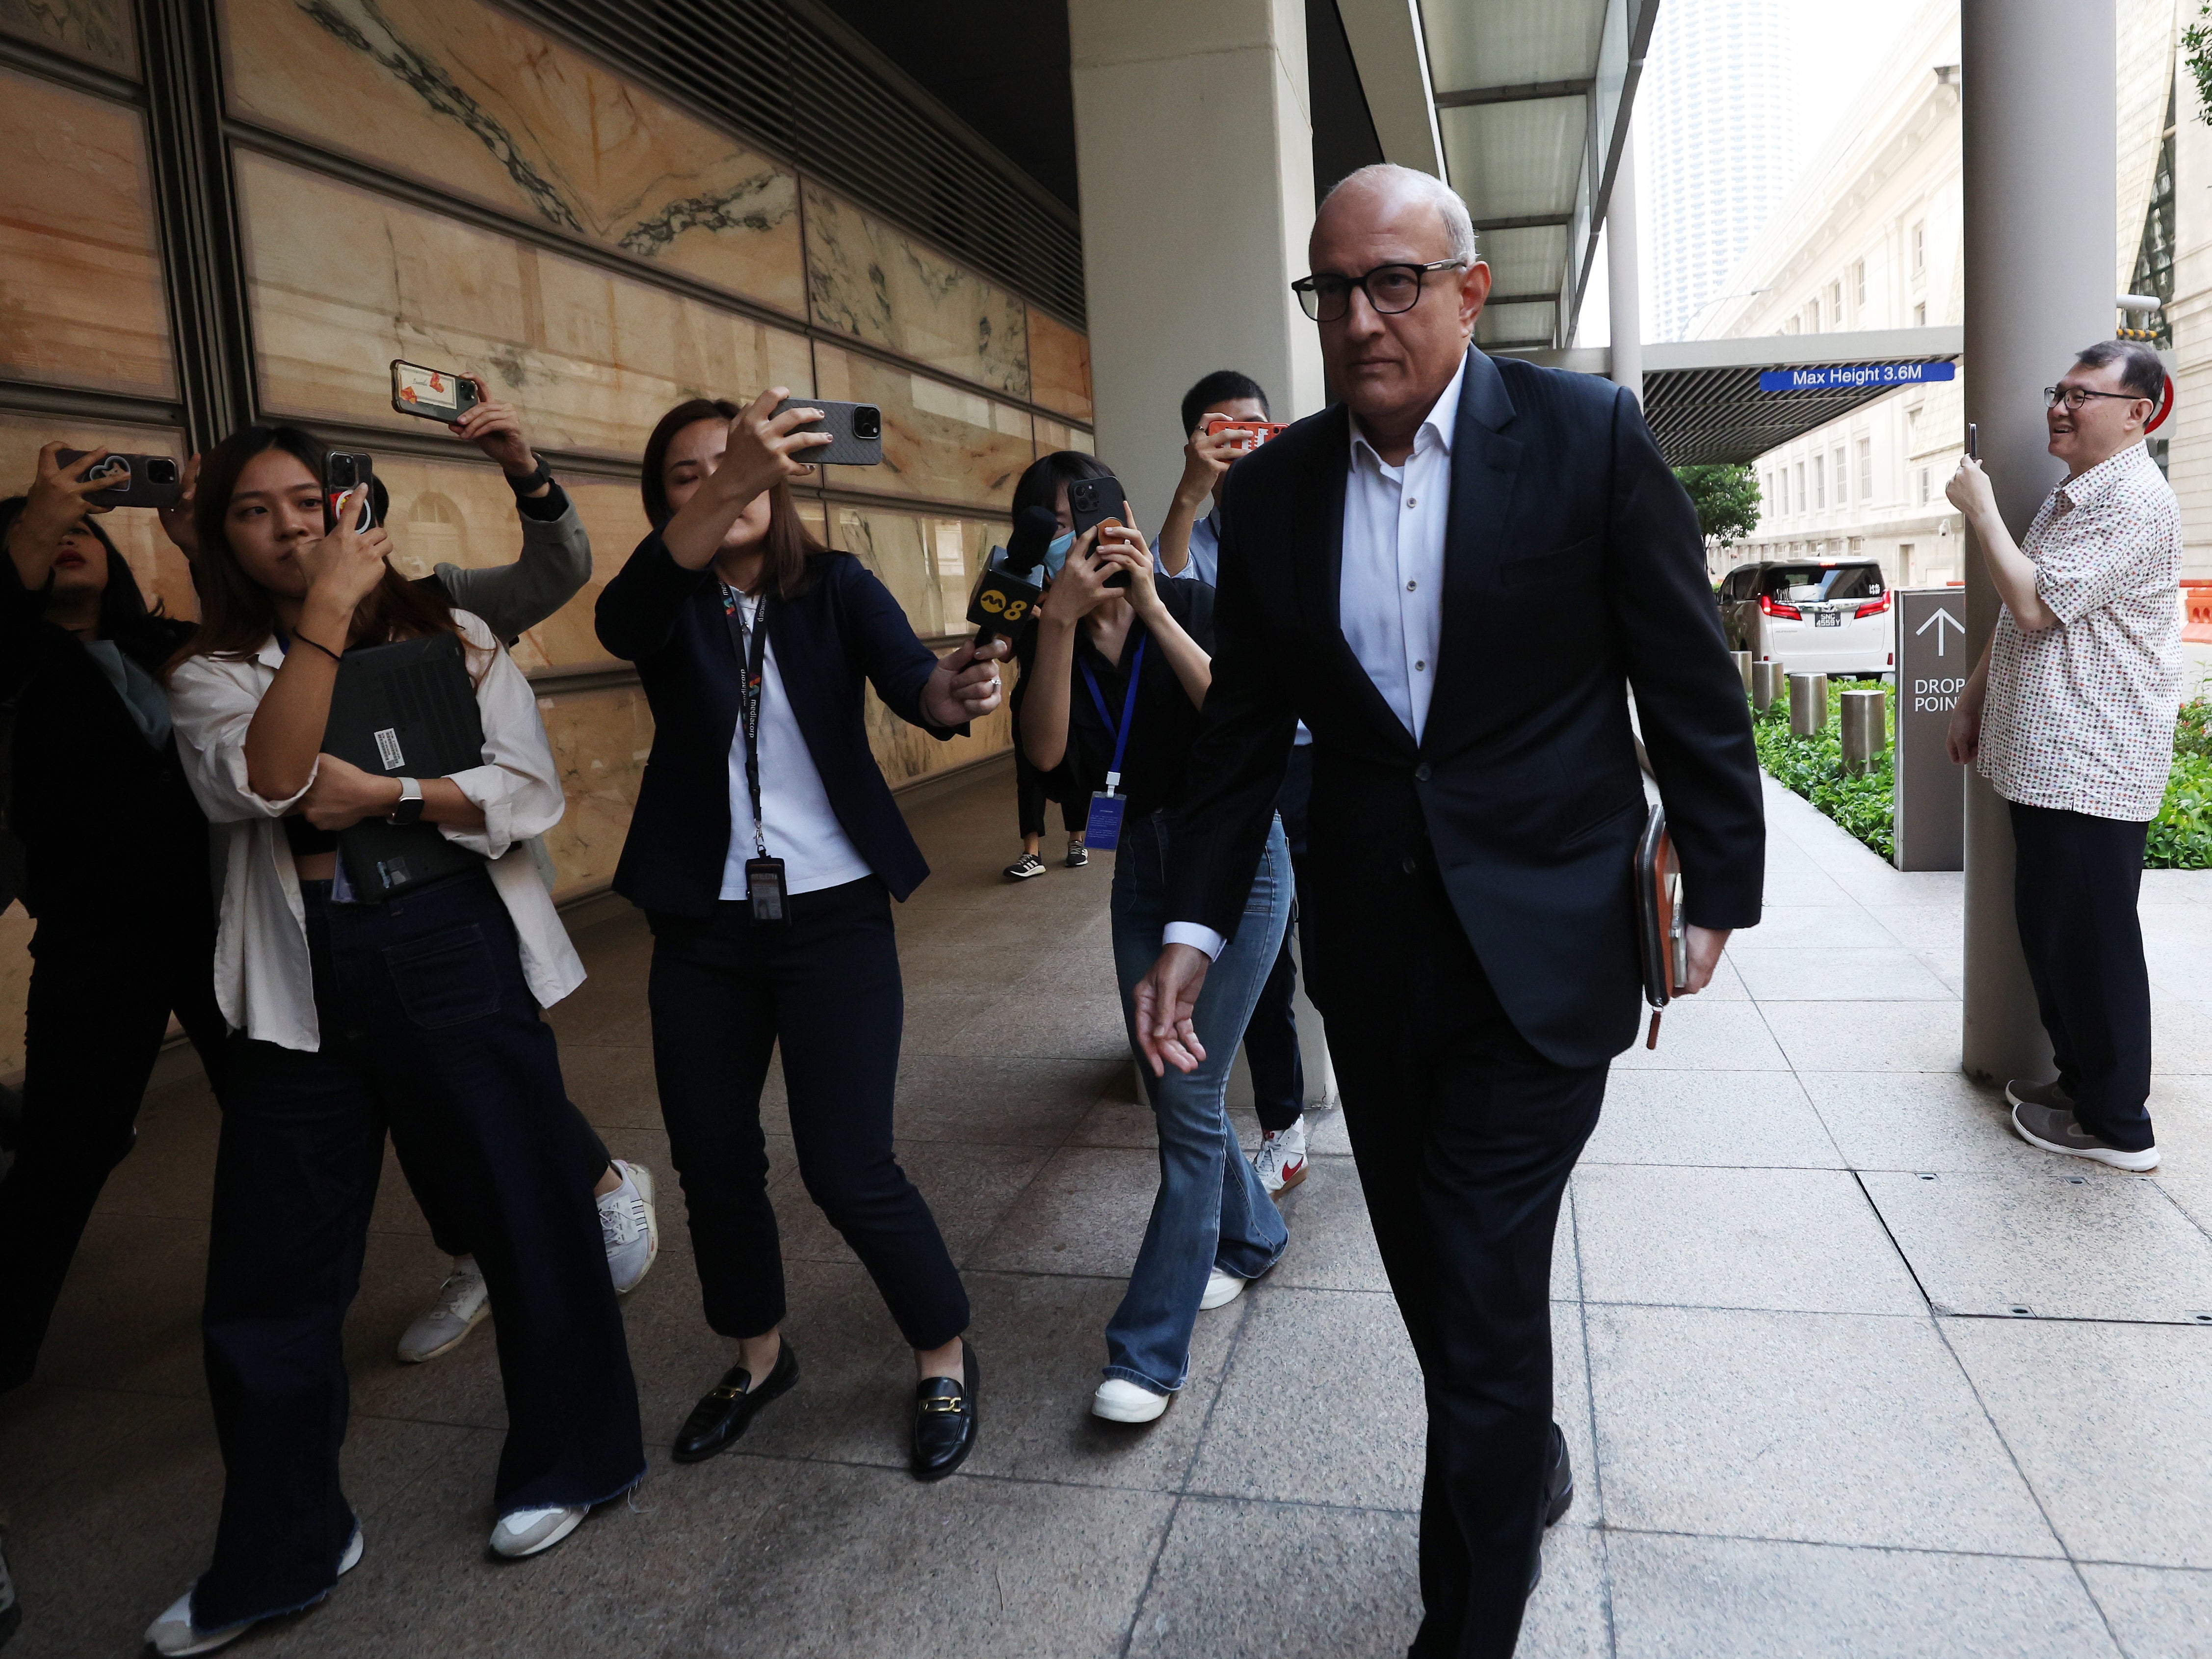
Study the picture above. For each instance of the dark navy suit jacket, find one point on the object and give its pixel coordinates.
(844, 629)
(1574, 572)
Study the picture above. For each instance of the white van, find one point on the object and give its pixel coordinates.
(1811, 615)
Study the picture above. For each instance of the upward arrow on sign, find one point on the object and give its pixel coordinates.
(1936, 622)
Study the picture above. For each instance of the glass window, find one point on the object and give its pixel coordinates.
(1866, 469)
(1920, 315)
(1843, 492)
(1920, 250)
(1812, 316)
(1858, 285)
(1924, 487)
(1820, 483)
(81, 299)
(1801, 496)
(1836, 301)
(1812, 584)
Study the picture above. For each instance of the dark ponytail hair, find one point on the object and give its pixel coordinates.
(788, 544)
(237, 614)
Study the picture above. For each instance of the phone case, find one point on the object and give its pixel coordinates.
(336, 483)
(856, 428)
(432, 394)
(144, 480)
(1093, 502)
(1262, 430)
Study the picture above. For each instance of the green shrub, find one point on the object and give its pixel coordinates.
(1813, 767)
(2180, 836)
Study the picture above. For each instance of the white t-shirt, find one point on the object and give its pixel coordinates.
(798, 823)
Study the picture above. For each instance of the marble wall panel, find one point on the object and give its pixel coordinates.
(97, 31)
(906, 753)
(345, 280)
(162, 573)
(600, 740)
(464, 514)
(938, 441)
(464, 98)
(81, 301)
(868, 280)
(16, 930)
(1060, 366)
(1053, 436)
(929, 563)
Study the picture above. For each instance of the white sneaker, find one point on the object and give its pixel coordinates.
(528, 1531)
(173, 1635)
(1121, 1401)
(1221, 1289)
(628, 1226)
(1280, 1162)
(462, 1303)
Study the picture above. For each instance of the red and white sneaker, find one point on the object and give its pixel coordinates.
(1280, 1162)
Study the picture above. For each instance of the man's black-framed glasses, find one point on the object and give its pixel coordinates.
(1390, 288)
(2074, 396)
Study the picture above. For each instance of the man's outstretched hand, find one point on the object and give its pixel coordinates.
(1166, 998)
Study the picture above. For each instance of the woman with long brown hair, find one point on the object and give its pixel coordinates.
(418, 1014)
(765, 852)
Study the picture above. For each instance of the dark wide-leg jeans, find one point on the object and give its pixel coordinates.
(427, 1026)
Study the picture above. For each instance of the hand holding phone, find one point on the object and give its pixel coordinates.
(433, 394)
(1973, 441)
(1092, 503)
(1248, 435)
(344, 471)
(129, 480)
(855, 430)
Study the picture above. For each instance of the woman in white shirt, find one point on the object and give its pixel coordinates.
(765, 850)
(418, 1014)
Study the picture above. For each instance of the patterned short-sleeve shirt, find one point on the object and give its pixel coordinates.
(2080, 716)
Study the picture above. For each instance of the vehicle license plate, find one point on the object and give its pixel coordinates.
(1829, 619)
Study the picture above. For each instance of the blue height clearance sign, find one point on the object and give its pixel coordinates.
(1837, 375)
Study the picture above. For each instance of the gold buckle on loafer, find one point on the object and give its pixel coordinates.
(949, 1404)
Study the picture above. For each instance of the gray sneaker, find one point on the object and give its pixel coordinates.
(462, 1303)
(628, 1226)
(2055, 1129)
(2052, 1094)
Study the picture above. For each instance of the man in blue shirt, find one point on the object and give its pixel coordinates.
(1186, 546)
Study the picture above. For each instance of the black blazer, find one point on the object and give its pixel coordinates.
(846, 626)
(1574, 572)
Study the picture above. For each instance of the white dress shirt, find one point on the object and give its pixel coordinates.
(264, 982)
(1391, 594)
(797, 821)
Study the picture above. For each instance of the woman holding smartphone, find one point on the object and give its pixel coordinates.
(96, 790)
(1112, 682)
(419, 1014)
(765, 852)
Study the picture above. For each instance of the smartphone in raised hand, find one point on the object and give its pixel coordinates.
(856, 432)
(436, 394)
(1094, 503)
(133, 480)
(344, 470)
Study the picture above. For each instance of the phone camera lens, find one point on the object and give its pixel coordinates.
(161, 470)
(867, 421)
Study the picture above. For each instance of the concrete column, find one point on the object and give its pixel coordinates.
(1624, 290)
(2040, 198)
(1194, 155)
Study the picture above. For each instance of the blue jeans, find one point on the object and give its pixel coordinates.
(1210, 1210)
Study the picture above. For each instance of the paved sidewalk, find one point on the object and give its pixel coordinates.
(1805, 1417)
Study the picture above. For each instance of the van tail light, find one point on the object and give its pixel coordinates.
(1873, 608)
(1769, 606)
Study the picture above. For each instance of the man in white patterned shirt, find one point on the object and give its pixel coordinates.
(2071, 717)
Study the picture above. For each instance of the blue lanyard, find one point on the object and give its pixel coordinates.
(1120, 733)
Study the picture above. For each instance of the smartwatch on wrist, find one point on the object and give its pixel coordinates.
(408, 809)
(532, 480)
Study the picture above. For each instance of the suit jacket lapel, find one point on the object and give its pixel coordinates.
(1320, 571)
(1485, 466)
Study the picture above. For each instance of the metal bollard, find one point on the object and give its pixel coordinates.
(1808, 703)
(1743, 667)
(1863, 739)
(1766, 685)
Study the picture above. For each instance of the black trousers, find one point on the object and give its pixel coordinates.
(2075, 886)
(101, 993)
(1029, 801)
(427, 1027)
(1465, 1136)
(1271, 1040)
(724, 992)
(449, 1227)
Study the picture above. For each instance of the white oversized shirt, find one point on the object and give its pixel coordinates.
(1391, 594)
(264, 981)
(798, 825)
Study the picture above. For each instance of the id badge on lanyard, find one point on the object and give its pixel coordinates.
(764, 879)
(1101, 829)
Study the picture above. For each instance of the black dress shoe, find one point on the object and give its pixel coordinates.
(1559, 1495)
(945, 1421)
(726, 1411)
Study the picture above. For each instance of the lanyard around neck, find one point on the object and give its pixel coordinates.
(752, 653)
(1119, 734)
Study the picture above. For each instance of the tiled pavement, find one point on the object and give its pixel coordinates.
(1806, 1417)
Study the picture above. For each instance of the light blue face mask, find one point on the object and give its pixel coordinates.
(1056, 554)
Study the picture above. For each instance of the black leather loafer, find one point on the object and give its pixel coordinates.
(945, 1421)
(727, 1409)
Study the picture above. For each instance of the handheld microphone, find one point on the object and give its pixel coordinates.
(1005, 598)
